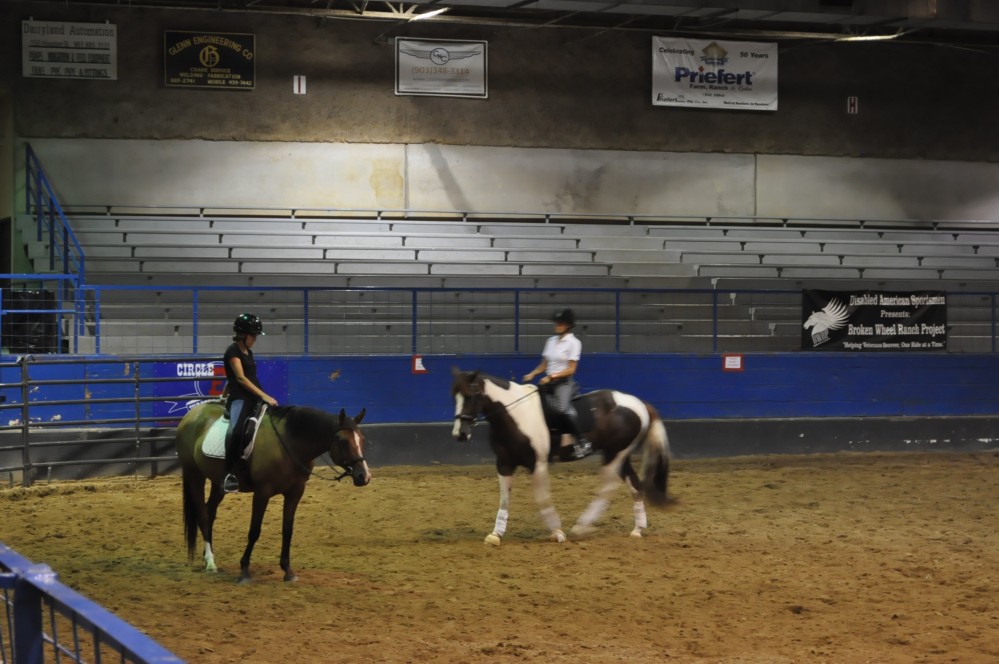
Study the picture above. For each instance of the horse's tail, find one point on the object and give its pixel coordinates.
(190, 514)
(655, 460)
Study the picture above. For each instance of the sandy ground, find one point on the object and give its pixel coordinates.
(837, 558)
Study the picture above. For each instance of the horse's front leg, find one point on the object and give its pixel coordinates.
(291, 500)
(259, 508)
(543, 498)
(503, 513)
(608, 483)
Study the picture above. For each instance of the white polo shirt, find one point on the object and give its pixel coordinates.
(559, 351)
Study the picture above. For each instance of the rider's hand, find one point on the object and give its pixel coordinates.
(528, 377)
(545, 380)
(270, 401)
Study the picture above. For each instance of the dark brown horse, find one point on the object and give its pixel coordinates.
(617, 424)
(289, 440)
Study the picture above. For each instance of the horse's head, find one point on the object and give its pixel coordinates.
(348, 448)
(468, 392)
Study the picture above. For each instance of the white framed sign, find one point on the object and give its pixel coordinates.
(697, 73)
(441, 68)
(56, 49)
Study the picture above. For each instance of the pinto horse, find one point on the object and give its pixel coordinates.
(617, 424)
(288, 441)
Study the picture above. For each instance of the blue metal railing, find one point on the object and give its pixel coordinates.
(65, 253)
(45, 620)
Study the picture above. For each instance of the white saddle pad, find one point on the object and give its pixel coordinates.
(214, 443)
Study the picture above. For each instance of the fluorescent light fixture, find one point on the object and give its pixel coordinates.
(859, 38)
(429, 14)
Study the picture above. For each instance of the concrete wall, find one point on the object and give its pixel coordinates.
(568, 126)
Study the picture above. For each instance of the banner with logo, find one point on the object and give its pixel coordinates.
(695, 73)
(201, 380)
(209, 60)
(874, 320)
(53, 49)
(441, 68)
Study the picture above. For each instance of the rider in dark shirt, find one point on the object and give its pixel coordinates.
(243, 389)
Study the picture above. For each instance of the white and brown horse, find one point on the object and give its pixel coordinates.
(617, 424)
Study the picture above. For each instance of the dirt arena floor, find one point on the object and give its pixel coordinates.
(835, 558)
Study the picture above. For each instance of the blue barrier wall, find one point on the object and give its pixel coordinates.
(681, 386)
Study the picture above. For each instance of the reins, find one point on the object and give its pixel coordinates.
(309, 471)
(509, 406)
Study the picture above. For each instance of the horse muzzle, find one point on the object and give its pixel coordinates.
(360, 475)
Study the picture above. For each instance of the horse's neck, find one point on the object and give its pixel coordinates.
(507, 401)
(305, 449)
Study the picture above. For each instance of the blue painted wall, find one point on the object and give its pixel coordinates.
(782, 385)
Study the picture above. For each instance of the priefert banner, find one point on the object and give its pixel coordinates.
(697, 73)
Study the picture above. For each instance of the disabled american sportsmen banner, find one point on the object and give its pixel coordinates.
(874, 320)
(697, 73)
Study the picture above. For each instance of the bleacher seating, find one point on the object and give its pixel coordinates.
(340, 250)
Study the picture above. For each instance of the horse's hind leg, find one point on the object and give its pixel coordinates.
(211, 510)
(608, 484)
(630, 478)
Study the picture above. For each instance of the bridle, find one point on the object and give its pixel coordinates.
(347, 469)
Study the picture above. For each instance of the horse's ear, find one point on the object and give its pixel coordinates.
(474, 376)
(455, 371)
(360, 416)
(343, 416)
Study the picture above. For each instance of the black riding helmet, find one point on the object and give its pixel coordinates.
(248, 324)
(564, 316)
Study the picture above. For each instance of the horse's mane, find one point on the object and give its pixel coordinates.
(303, 421)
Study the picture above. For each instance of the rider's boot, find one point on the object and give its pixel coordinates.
(581, 448)
(230, 484)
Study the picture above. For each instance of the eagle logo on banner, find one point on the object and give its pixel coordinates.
(831, 317)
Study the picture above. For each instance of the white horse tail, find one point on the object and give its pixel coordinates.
(655, 460)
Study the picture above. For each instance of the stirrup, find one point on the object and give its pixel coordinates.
(581, 449)
(230, 484)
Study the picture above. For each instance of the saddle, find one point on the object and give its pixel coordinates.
(583, 403)
(214, 443)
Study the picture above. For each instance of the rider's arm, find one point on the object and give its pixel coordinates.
(540, 369)
(237, 372)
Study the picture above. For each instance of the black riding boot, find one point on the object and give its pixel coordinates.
(230, 484)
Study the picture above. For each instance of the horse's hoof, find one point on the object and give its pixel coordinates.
(580, 530)
(558, 535)
(243, 580)
(493, 539)
(290, 578)
(211, 570)
(637, 532)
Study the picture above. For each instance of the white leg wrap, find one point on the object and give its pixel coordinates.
(550, 518)
(501, 519)
(641, 520)
(593, 512)
(209, 559)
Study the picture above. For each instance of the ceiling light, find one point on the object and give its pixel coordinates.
(429, 14)
(858, 38)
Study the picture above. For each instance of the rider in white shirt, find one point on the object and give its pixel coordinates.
(559, 361)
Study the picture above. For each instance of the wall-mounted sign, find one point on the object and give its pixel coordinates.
(441, 68)
(51, 49)
(697, 73)
(209, 60)
(874, 320)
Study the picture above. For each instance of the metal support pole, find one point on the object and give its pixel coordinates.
(25, 421)
(28, 631)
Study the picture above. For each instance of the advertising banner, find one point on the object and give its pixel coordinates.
(207, 380)
(695, 73)
(209, 60)
(441, 68)
(53, 49)
(874, 321)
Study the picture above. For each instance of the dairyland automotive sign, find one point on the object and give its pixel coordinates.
(714, 74)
